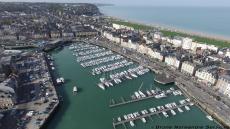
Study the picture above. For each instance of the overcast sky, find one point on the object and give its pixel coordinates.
(143, 2)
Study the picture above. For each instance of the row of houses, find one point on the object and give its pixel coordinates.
(184, 42)
(206, 73)
(52, 34)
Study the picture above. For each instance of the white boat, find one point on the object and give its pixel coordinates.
(143, 120)
(58, 81)
(133, 75)
(132, 124)
(173, 112)
(62, 79)
(128, 77)
(119, 118)
(153, 92)
(74, 90)
(102, 79)
(187, 108)
(149, 93)
(101, 86)
(137, 95)
(106, 84)
(125, 117)
(110, 83)
(142, 94)
(191, 104)
(152, 109)
(165, 114)
(209, 117)
(180, 110)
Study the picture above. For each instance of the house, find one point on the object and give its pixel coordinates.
(189, 67)
(173, 61)
(207, 75)
(223, 84)
(177, 41)
(186, 43)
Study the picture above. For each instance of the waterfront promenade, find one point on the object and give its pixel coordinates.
(204, 96)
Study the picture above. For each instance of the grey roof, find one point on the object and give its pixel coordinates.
(225, 77)
(6, 89)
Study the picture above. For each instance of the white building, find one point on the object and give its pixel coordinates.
(111, 37)
(157, 55)
(189, 67)
(142, 49)
(173, 62)
(223, 84)
(227, 54)
(118, 26)
(177, 42)
(157, 35)
(208, 75)
(186, 43)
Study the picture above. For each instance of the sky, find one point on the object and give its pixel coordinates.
(218, 3)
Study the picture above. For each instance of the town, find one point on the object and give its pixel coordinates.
(27, 82)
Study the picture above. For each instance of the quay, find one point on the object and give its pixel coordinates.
(122, 122)
(163, 79)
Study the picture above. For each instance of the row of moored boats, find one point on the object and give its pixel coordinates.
(120, 76)
(167, 108)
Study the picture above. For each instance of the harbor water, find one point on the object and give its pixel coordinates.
(89, 108)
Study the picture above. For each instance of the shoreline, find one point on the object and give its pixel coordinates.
(162, 27)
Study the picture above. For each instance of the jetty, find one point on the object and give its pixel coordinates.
(133, 100)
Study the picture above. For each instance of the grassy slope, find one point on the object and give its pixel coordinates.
(219, 43)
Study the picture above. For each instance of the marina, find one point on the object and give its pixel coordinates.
(90, 104)
(113, 62)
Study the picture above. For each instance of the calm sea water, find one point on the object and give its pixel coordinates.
(89, 109)
(208, 20)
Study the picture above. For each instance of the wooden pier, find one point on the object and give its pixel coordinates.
(122, 122)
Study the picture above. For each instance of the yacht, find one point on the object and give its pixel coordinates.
(101, 86)
(187, 108)
(209, 117)
(173, 112)
(132, 124)
(137, 95)
(180, 110)
(119, 118)
(143, 120)
(165, 114)
(74, 90)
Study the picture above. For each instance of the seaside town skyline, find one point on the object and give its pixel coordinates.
(196, 3)
(68, 65)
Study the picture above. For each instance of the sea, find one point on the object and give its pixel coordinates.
(210, 21)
